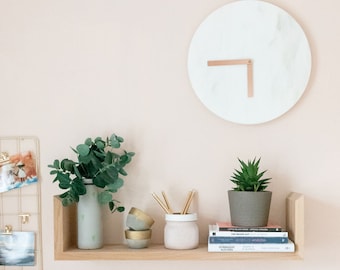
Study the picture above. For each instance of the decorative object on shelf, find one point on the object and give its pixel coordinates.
(139, 224)
(249, 202)
(249, 62)
(138, 220)
(166, 206)
(181, 231)
(138, 239)
(96, 160)
(89, 218)
(93, 178)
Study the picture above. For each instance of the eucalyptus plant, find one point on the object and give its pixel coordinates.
(248, 178)
(98, 160)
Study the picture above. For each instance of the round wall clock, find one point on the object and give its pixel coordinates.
(249, 62)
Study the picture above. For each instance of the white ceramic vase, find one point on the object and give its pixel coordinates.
(90, 225)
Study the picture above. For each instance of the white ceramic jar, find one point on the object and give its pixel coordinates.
(181, 231)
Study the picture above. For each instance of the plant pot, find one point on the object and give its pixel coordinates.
(90, 225)
(248, 208)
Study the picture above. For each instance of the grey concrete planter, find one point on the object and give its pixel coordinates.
(249, 208)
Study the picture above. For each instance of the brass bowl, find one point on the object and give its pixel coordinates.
(138, 220)
(137, 235)
(138, 239)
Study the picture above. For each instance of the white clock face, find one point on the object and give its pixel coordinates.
(249, 62)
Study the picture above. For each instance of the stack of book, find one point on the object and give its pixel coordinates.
(223, 237)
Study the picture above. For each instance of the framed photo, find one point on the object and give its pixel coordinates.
(17, 171)
(17, 248)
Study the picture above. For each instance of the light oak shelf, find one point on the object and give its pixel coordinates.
(65, 241)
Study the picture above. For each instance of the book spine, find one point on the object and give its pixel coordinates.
(245, 229)
(247, 234)
(288, 247)
(246, 239)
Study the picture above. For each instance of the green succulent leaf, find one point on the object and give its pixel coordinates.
(248, 177)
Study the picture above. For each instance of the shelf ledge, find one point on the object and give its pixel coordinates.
(65, 241)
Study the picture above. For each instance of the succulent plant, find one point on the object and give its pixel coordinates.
(249, 178)
(97, 160)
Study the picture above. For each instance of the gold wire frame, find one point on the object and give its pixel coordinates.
(20, 208)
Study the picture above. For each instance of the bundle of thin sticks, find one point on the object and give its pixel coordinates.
(166, 206)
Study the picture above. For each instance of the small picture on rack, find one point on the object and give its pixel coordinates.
(17, 249)
(17, 170)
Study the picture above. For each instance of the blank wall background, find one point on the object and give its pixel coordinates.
(72, 69)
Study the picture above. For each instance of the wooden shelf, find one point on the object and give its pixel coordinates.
(65, 241)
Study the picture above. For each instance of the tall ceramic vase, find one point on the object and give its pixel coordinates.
(90, 225)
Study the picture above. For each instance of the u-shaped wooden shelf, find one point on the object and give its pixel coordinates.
(65, 240)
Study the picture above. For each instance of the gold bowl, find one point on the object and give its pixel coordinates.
(138, 239)
(138, 220)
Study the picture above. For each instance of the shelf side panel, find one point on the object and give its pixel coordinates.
(295, 220)
(65, 223)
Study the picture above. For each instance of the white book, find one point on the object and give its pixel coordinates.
(287, 247)
(214, 231)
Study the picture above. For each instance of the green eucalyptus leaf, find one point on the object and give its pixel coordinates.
(83, 149)
(112, 172)
(115, 143)
(64, 180)
(120, 209)
(64, 185)
(108, 158)
(100, 144)
(88, 141)
(66, 201)
(79, 186)
(99, 181)
(67, 165)
(118, 183)
(56, 164)
(122, 172)
(104, 197)
(111, 206)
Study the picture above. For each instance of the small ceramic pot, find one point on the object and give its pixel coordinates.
(138, 220)
(181, 231)
(138, 239)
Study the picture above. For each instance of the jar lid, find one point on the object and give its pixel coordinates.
(180, 217)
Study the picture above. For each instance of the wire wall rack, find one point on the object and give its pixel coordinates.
(20, 206)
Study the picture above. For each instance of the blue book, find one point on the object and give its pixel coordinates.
(246, 240)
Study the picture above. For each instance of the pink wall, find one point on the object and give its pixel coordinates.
(70, 69)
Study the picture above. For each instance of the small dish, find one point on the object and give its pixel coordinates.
(138, 239)
(138, 220)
